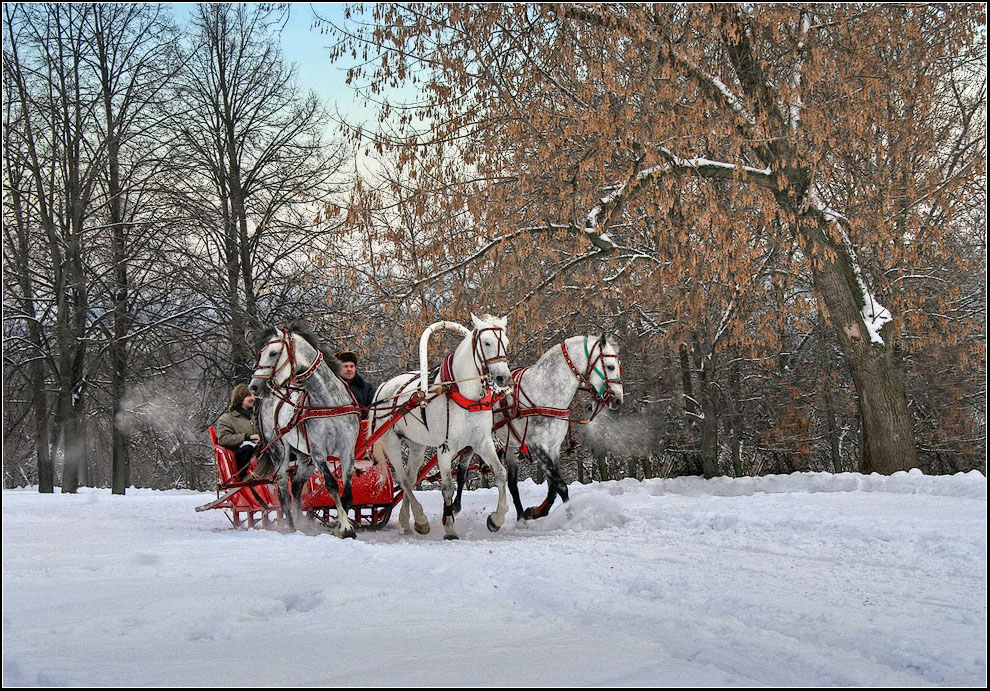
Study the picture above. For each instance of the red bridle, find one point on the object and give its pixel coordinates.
(595, 356)
(482, 364)
(289, 348)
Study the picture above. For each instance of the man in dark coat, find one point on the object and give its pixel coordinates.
(364, 391)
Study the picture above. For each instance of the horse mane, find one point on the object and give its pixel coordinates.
(263, 337)
(498, 322)
(302, 329)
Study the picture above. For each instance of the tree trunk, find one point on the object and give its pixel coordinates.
(73, 383)
(736, 420)
(830, 421)
(120, 461)
(887, 444)
(647, 468)
(708, 426)
(39, 398)
(602, 466)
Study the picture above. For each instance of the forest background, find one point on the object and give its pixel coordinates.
(777, 211)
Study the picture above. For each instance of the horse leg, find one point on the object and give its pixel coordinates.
(447, 484)
(390, 447)
(555, 484)
(417, 454)
(298, 481)
(488, 454)
(383, 459)
(512, 480)
(344, 526)
(341, 498)
(462, 473)
(285, 500)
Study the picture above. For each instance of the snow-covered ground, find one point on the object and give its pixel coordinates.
(808, 579)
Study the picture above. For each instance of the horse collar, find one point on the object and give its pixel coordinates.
(486, 402)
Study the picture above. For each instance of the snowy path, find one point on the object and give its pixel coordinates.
(808, 579)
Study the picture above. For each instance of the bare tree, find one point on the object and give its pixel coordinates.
(45, 61)
(253, 148)
(133, 55)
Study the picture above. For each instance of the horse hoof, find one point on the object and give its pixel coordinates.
(349, 533)
(451, 536)
(531, 513)
(422, 528)
(492, 526)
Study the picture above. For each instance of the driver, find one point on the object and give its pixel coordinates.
(363, 391)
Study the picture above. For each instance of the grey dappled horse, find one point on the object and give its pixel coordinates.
(533, 419)
(308, 416)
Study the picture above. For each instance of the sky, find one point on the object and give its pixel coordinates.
(308, 49)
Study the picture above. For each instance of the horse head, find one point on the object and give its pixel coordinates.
(605, 372)
(491, 346)
(284, 355)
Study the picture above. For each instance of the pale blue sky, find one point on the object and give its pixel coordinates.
(308, 49)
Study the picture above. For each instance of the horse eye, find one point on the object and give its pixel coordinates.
(611, 368)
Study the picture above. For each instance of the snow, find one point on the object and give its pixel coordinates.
(802, 580)
(700, 162)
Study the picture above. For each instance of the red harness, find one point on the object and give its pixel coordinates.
(481, 363)
(486, 402)
(522, 405)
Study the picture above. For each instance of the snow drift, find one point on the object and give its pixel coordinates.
(807, 579)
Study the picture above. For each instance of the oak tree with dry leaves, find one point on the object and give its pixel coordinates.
(684, 159)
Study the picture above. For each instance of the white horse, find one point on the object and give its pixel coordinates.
(309, 416)
(534, 418)
(458, 415)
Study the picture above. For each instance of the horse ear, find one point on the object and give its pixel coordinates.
(604, 338)
(477, 322)
(501, 322)
(262, 336)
